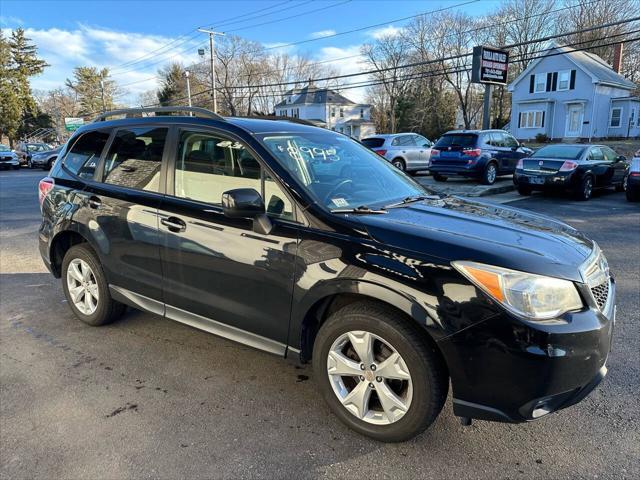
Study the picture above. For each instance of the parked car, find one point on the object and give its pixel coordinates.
(481, 154)
(8, 159)
(44, 159)
(577, 168)
(301, 242)
(25, 150)
(633, 179)
(409, 152)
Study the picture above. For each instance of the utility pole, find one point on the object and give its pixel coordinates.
(486, 112)
(104, 107)
(212, 51)
(186, 74)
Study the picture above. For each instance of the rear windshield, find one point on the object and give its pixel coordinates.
(372, 142)
(457, 140)
(564, 152)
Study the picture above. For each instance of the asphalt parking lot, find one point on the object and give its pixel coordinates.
(146, 397)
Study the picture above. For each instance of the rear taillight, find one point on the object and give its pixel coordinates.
(382, 153)
(473, 152)
(634, 174)
(44, 187)
(520, 164)
(434, 152)
(568, 166)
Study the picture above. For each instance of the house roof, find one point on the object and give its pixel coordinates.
(590, 63)
(312, 94)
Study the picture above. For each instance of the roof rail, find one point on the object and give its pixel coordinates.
(129, 112)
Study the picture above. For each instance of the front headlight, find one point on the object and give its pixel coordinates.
(534, 296)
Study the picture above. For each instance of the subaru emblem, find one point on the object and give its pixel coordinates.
(540, 163)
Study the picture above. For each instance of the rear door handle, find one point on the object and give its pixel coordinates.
(94, 202)
(174, 224)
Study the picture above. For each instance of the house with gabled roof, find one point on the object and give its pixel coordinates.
(571, 94)
(327, 108)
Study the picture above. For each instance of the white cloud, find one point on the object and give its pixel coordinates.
(346, 60)
(388, 31)
(322, 33)
(94, 46)
(9, 21)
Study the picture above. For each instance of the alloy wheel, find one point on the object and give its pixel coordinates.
(491, 173)
(369, 377)
(588, 188)
(82, 286)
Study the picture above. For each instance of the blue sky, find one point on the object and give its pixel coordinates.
(113, 33)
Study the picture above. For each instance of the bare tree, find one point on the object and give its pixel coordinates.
(387, 56)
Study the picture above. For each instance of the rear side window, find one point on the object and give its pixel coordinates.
(135, 158)
(404, 141)
(83, 157)
(457, 140)
(373, 142)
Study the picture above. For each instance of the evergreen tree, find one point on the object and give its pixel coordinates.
(26, 64)
(173, 85)
(94, 91)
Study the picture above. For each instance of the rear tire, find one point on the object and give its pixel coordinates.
(417, 400)
(82, 273)
(490, 174)
(632, 195)
(585, 190)
(622, 187)
(524, 190)
(399, 164)
(439, 178)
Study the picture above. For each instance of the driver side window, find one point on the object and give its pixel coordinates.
(209, 165)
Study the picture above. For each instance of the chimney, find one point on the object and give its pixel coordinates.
(617, 58)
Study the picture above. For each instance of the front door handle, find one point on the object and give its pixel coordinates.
(94, 202)
(174, 224)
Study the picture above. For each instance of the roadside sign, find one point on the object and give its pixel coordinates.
(490, 65)
(73, 123)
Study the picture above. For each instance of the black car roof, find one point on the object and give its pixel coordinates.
(251, 125)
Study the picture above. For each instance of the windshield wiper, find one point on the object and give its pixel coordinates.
(361, 210)
(412, 199)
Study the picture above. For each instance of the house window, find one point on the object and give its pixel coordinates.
(564, 80)
(342, 112)
(616, 117)
(632, 118)
(362, 113)
(540, 83)
(333, 112)
(532, 119)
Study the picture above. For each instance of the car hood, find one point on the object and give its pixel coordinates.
(453, 228)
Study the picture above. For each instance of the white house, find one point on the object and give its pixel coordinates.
(569, 94)
(329, 109)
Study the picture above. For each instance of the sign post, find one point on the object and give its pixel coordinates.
(73, 123)
(490, 67)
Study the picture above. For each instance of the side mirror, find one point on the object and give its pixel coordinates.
(621, 158)
(247, 203)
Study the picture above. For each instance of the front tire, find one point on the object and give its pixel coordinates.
(86, 288)
(632, 195)
(379, 373)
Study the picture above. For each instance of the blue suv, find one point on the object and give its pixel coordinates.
(481, 154)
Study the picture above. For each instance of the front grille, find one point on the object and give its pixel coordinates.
(601, 294)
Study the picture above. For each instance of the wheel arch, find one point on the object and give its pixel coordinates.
(311, 318)
(60, 244)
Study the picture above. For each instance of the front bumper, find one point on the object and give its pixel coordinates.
(505, 369)
(9, 163)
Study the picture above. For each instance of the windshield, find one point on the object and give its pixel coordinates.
(338, 172)
(38, 147)
(457, 140)
(564, 152)
(4, 148)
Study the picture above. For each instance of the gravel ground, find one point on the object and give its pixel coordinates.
(146, 397)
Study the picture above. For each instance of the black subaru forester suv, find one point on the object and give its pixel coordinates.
(301, 242)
